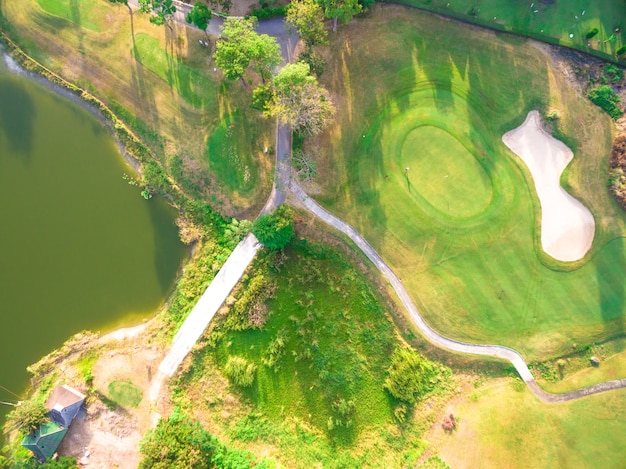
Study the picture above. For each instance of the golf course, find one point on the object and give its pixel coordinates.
(448, 253)
(419, 168)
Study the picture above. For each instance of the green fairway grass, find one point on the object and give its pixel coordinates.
(230, 151)
(195, 87)
(504, 425)
(550, 21)
(84, 13)
(449, 177)
(476, 269)
(125, 393)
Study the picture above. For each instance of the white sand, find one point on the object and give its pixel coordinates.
(567, 226)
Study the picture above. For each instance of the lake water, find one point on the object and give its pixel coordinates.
(80, 248)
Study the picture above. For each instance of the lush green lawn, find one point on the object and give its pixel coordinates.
(193, 85)
(439, 90)
(163, 83)
(84, 13)
(337, 341)
(125, 393)
(505, 425)
(554, 21)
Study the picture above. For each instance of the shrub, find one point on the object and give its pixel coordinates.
(410, 376)
(613, 72)
(177, 442)
(621, 50)
(317, 64)
(239, 371)
(265, 13)
(274, 230)
(591, 33)
(605, 97)
(261, 97)
(28, 416)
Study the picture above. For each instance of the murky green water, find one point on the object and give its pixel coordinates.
(79, 247)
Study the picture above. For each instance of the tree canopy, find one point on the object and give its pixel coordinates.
(299, 100)
(343, 10)
(274, 230)
(306, 17)
(240, 47)
(27, 416)
(199, 16)
(161, 11)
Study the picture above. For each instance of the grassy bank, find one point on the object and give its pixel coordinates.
(321, 350)
(462, 228)
(503, 425)
(162, 84)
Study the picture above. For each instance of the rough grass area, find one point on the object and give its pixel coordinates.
(561, 22)
(125, 393)
(321, 357)
(483, 278)
(503, 424)
(162, 83)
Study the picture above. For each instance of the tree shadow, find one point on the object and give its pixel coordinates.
(139, 82)
(17, 114)
(610, 265)
(169, 251)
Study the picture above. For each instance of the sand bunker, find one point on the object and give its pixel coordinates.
(567, 226)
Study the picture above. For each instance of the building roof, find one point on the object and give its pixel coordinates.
(44, 441)
(63, 396)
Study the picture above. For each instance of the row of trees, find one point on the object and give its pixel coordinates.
(293, 96)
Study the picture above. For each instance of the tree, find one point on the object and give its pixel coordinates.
(306, 17)
(274, 230)
(28, 416)
(199, 16)
(123, 2)
(161, 11)
(410, 375)
(343, 10)
(240, 47)
(177, 442)
(299, 101)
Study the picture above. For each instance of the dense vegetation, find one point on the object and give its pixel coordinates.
(321, 345)
(274, 230)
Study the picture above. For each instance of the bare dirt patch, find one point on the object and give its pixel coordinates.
(107, 435)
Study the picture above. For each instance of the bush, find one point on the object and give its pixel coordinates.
(274, 230)
(239, 371)
(266, 13)
(177, 442)
(591, 33)
(317, 64)
(410, 376)
(28, 416)
(613, 72)
(605, 97)
(621, 50)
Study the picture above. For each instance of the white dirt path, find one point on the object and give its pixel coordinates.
(567, 226)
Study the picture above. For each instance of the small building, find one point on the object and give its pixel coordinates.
(44, 441)
(63, 404)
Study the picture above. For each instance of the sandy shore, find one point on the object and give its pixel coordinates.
(567, 226)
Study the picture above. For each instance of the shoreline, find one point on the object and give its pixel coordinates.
(15, 68)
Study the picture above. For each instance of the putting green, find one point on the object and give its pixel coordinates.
(444, 172)
(438, 99)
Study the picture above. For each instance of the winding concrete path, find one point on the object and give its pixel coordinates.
(434, 337)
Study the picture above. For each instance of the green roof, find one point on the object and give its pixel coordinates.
(44, 441)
